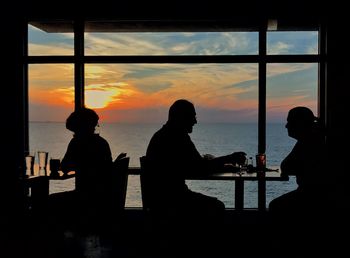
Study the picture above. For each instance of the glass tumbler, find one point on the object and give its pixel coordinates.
(42, 155)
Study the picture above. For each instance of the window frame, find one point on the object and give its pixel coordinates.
(261, 59)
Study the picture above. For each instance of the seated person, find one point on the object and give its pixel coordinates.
(171, 157)
(308, 163)
(89, 155)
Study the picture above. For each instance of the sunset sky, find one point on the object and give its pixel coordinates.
(143, 92)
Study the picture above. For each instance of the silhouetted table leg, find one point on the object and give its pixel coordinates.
(261, 191)
(239, 194)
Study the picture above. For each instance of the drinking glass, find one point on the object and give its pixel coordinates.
(261, 161)
(30, 165)
(42, 155)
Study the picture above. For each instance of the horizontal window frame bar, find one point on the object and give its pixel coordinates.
(177, 59)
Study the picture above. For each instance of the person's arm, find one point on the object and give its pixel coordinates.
(234, 158)
(220, 163)
(68, 162)
(121, 156)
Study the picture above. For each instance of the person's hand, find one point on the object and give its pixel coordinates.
(208, 156)
(231, 168)
(284, 174)
(239, 157)
(121, 155)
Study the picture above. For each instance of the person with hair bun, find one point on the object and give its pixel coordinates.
(89, 155)
(308, 162)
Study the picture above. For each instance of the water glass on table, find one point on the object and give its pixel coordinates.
(30, 165)
(244, 167)
(42, 155)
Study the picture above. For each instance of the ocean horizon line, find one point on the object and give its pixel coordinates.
(163, 122)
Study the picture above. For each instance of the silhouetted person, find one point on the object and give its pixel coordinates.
(171, 157)
(308, 162)
(89, 155)
(87, 209)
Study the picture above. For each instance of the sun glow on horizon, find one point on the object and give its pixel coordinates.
(99, 98)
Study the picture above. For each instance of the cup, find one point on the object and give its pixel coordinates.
(54, 167)
(42, 155)
(260, 161)
(30, 165)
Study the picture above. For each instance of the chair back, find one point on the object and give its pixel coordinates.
(120, 181)
(145, 193)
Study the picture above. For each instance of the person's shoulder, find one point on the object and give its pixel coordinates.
(73, 141)
(159, 133)
(100, 138)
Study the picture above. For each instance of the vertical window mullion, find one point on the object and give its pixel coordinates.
(262, 114)
(25, 86)
(322, 74)
(78, 63)
(262, 92)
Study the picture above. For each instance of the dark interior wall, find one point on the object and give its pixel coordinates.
(11, 105)
(338, 85)
(177, 9)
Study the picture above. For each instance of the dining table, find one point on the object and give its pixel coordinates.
(239, 176)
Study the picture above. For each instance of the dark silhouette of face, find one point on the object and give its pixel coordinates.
(190, 121)
(299, 122)
(182, 114)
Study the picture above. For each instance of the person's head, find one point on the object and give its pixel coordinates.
(182, 114)
(300, 122)
(82, 121)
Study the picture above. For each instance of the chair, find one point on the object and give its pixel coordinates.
(154, 217)
(160, 225)
(143, 182)
(157, 217)
(69, 202)
(120, 182)
(110, 221)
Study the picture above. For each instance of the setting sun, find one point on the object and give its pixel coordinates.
(99, 98)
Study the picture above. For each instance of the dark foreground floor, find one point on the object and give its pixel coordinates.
(241, 234)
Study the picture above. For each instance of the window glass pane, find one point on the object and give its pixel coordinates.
(133, 102)
(288, 85)
(292, 42)
(133, 99)
(46, 39)
(51, 100)
(172, 43)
